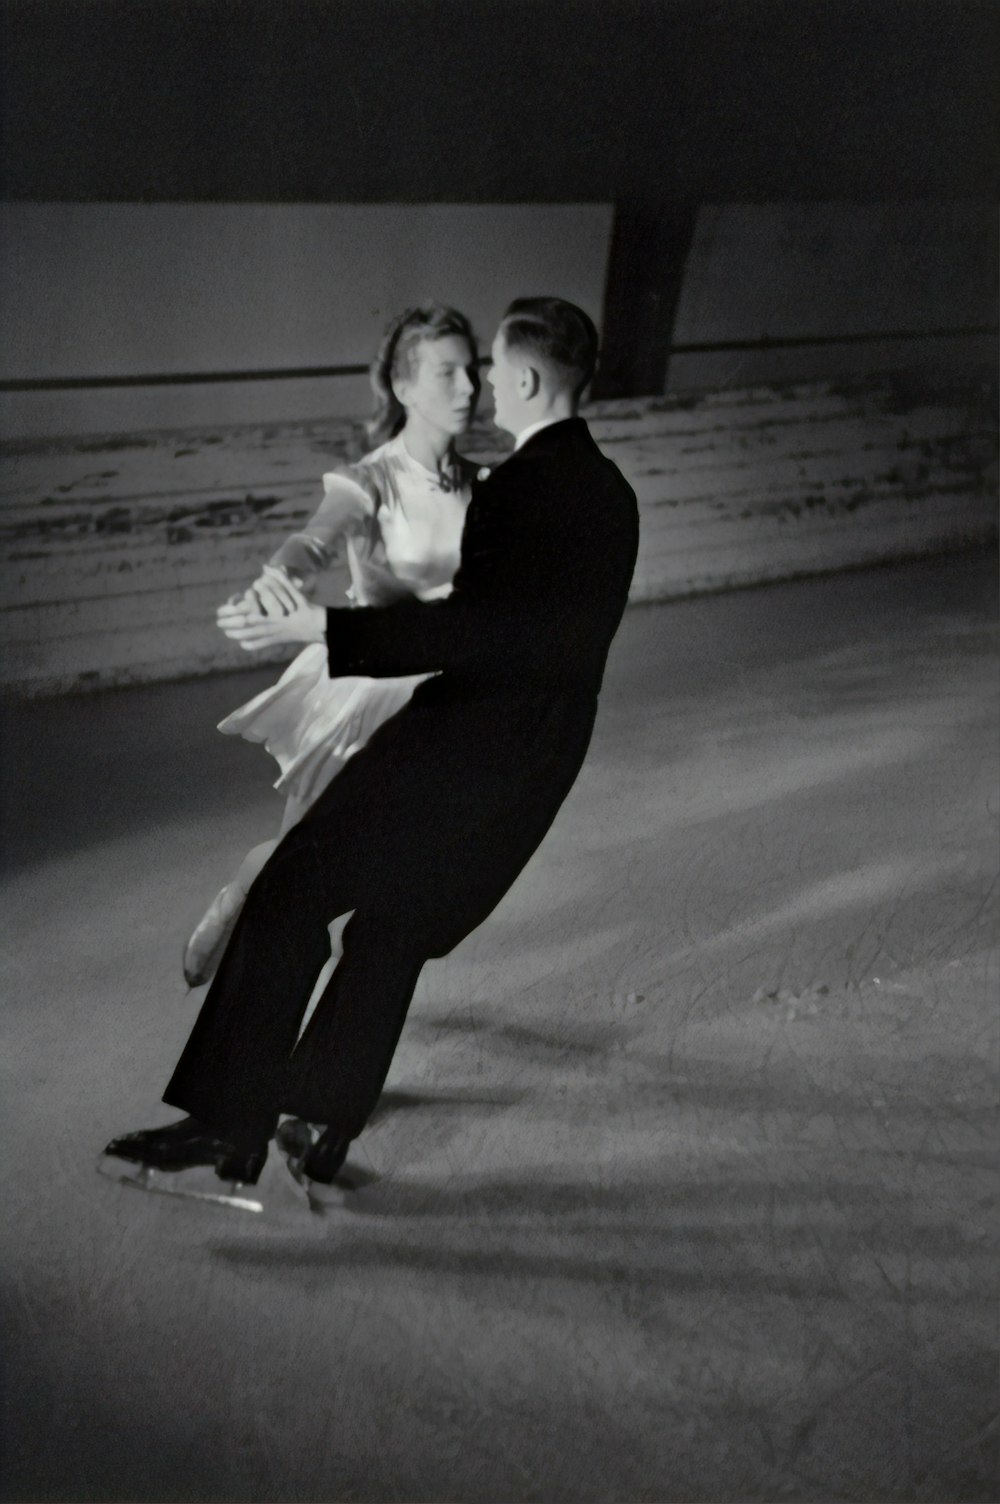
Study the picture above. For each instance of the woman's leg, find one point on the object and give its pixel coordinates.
(210, 936)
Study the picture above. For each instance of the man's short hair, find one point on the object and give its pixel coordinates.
(558, 334)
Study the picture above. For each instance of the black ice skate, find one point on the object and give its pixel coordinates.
(150, 1158)
(315, 1158)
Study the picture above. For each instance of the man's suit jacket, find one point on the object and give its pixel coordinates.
(450, 798)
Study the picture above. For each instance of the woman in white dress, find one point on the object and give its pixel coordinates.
(400, 512)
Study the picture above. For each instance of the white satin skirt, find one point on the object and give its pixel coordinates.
(311, 724)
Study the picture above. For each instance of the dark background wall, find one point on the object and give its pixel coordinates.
(799, 290)
(493, 100)
(664, 108)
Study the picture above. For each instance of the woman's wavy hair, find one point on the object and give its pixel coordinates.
(395, 356)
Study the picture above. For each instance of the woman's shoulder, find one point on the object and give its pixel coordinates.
(367, 474)
(377, 472)
(382, 454)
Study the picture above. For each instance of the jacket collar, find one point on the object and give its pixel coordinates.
(553, 433)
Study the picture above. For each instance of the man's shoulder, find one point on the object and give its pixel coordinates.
(567, 447)
(565, 491)
(567, 441)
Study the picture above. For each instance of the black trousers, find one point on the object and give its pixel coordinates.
(244, 1064)
(418, 838)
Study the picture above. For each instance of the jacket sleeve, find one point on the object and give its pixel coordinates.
(531, 601)
(484, 625)
(418, 637)
(346, 509)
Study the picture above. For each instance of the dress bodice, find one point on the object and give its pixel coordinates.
(402, 524)
(416, 529)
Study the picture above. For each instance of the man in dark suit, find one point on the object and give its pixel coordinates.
(426, 828)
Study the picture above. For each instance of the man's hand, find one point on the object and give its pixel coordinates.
(274, 611)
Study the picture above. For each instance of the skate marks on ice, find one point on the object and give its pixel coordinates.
(454, 1100)
(769, 1231)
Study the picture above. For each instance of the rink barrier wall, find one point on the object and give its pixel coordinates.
(117, 550)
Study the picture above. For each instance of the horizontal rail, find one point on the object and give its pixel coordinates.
(175, 378)
(806, 341)
(298, 373)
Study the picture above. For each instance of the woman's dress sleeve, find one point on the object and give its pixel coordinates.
(346, 511)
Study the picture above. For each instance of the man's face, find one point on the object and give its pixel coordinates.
(504, 378)
(443, 383)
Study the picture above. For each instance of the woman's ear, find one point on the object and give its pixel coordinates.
(399, 386)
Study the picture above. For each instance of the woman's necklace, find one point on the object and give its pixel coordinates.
(447, 479)
(446, 476)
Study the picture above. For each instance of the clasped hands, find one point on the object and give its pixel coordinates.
(274, 611)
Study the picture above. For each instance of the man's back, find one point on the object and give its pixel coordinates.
(574, 525)
(547, 557)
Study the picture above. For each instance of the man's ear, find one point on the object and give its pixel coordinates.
(528, 383)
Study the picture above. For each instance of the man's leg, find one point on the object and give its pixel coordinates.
(231, 1073)
(337, 1070)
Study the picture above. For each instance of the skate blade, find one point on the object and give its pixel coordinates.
(339, 1196)
(143, 1178)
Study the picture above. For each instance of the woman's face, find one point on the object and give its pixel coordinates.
(442, 385)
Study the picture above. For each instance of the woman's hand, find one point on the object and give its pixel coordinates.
(284, 576)
(273, 612)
